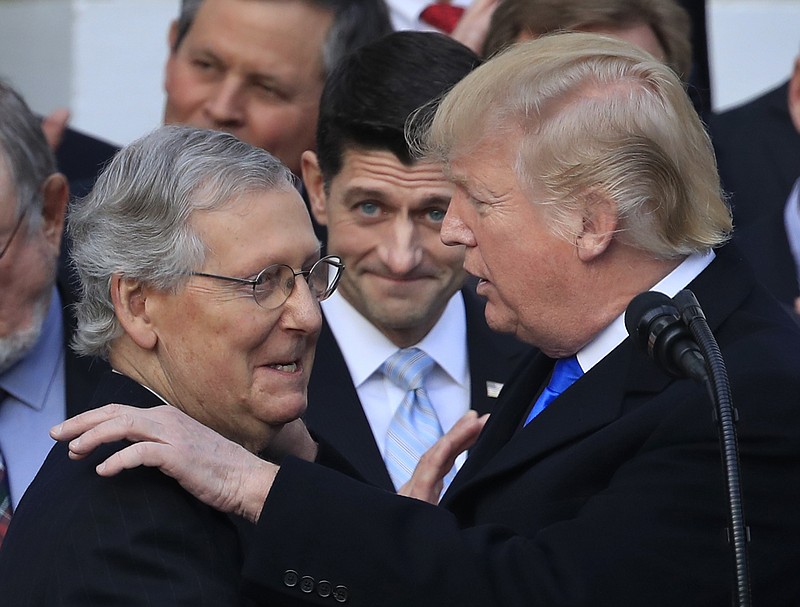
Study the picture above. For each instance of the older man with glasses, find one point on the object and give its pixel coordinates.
(201, 279)
(41, 381)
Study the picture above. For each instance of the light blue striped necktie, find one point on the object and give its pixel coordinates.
(565, 373)
(415, 426)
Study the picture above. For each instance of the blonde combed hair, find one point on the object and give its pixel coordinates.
(594, 115)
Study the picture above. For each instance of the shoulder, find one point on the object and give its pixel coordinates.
(137, 532)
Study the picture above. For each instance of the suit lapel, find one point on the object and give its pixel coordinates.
(492, 356)
(336, 416)
(592, 402)
(595, 400)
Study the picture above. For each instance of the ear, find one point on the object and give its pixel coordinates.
(55, 194)
(171, 62)
(794, 95)
(172, 36)
(130, 305)
(599, 223)
(315, 186)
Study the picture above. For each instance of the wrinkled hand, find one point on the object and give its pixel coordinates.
(473, 26)
(428, 478)
(218, 472)
(54, 125)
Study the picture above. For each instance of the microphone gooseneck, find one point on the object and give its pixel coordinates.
(676, 336)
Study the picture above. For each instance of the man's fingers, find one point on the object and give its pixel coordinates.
(426, 482)
(473, 26)
(75, 426)
(442, 456)
(54, 126)
(138, 454)
(109, 424)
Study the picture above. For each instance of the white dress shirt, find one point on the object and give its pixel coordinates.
(615, 333)
(36, 401)
(365, 349)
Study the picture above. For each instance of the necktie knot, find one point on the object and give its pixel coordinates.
(407, 368)
(565, 373)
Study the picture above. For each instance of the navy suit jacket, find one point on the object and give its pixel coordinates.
(81, 158)
(614, 495)
(758, 153)
(134, 539)
(81, 373)
(766, 247)
(335, 415)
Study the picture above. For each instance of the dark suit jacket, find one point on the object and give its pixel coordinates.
(81, 373)
(758, 153)
(134, 539)
(613, 496)
(81, 158)
(766, 247)
(335, 415)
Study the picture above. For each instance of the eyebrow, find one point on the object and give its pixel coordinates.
(357, 192)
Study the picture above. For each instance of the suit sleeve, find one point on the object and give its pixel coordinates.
(138, 539)
(651, 530)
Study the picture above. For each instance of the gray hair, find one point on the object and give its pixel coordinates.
(355, 23)
(136, 222)
(26, 154)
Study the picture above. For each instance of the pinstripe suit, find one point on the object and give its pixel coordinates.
(135, 539)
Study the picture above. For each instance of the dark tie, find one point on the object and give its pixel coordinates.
(442, 15)
(415, 426)
(5, 494)
(565, 373)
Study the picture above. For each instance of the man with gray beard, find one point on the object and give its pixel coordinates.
(41, 381)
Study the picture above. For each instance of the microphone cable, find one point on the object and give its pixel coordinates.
(726, 417)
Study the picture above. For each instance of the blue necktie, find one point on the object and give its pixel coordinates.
(565, 373)
(415, 426)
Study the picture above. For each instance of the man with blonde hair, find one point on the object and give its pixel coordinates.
(583, 177)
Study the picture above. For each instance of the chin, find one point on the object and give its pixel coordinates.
(497, 321)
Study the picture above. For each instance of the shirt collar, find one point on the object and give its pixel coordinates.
(446, 342)
(615, 333)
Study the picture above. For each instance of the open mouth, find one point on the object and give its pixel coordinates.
(284, 367)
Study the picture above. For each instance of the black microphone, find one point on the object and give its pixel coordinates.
(654, 323)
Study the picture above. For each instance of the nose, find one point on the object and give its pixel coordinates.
(301, 312)
(225, 104)
(454, 230)
(400, 251)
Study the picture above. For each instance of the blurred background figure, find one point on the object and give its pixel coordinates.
(664, 28)
(41, 380)
(255, 68)
(758, 153)
(465, 20)
(758, 150)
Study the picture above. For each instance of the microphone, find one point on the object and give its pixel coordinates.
(681, 343)
(654, 323)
